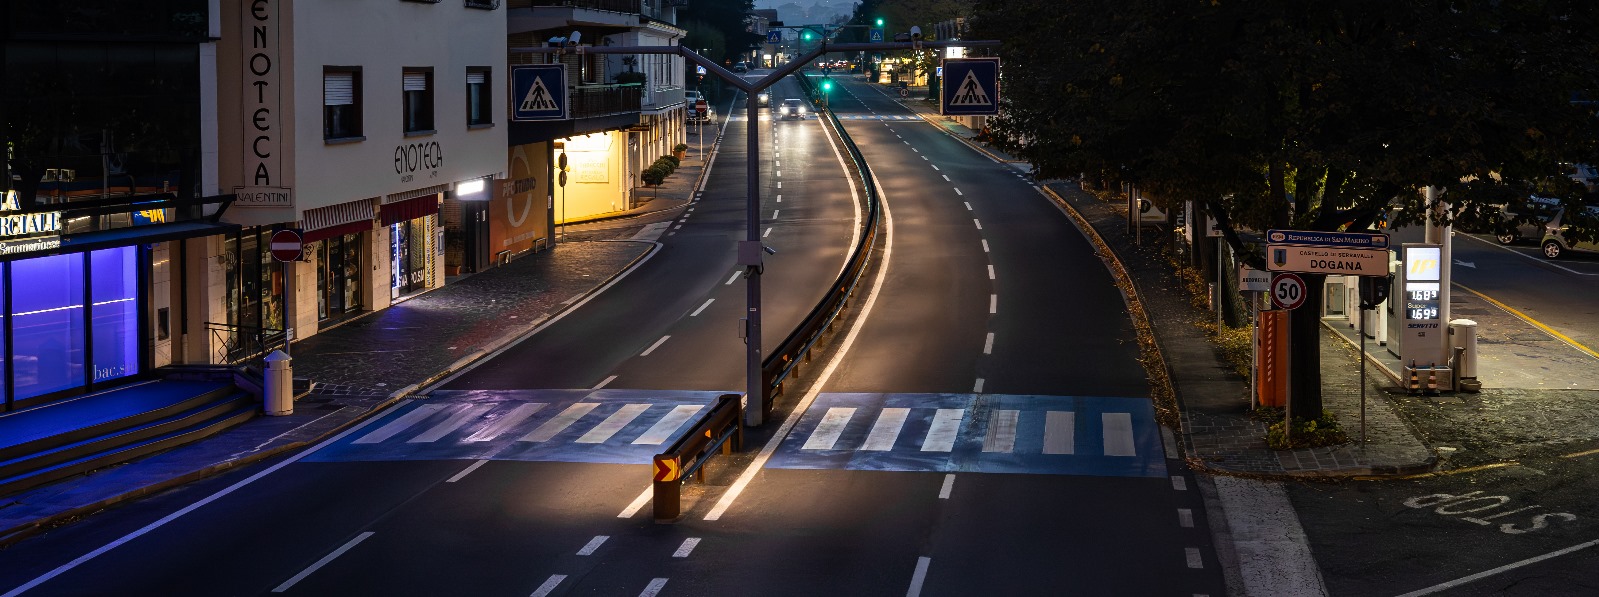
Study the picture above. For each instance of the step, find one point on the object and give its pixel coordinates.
(126, 453)
(132, 419)
(59, 454)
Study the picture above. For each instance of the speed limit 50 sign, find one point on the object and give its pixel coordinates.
(1287, 291)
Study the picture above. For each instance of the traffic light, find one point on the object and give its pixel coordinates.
(807, 35)
(879, 22)
(827, 85)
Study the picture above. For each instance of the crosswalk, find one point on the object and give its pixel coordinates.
(878, 117)
(887, 432)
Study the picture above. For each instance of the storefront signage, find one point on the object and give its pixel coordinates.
(263, 196)
(25, 233)
(410, 158)
(261, 78)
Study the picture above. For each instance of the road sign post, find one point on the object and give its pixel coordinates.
(287, 246)
(538, 92)
(970, 87)
(1287, 291)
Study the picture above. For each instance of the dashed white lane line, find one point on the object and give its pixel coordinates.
(780, 184)
(696, 312)
(985, 245)
(654, 346)
(322, 562)
(686, 548)
(991, 271)
(949, 485)
(977, 388)
(924, 157)
(946, 178)
(549, 585)
(968, 205)
(780, 173)
(916, 150)
(592, 545)
(988, 344)
(935, 167)
(779, 198)
(767, 233)
(919, 577)
(958, 191)
(907, 142)
(1178, 483)
(978, 222)
(774, 213)
(605, 382)
(654, 588)
(466, 471)
(993, 304)
(1193, 557)
(1185, 518)
(733, 279)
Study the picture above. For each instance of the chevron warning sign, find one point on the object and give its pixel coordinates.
(970, 87)
(538, 92)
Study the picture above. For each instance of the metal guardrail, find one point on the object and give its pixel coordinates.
(779, 365)
(687, 456)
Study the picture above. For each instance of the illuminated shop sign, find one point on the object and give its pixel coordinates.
(26, 233)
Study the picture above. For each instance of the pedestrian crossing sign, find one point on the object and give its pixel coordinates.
(970, 87)
(538, 92)
(876, 36)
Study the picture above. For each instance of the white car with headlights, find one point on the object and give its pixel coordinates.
(792, 108)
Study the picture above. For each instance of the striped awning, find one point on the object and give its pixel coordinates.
(406, 195)
(410, 209)
(337, 220)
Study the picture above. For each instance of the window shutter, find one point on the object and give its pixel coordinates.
(338, 89)
(476, 77)
(416, 82)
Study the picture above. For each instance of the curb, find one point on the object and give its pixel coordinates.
(22, 531)
(1381, 366)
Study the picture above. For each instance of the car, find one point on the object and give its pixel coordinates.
(764, 99)
(741, 67)
(1524, 219)
(792, 108)
(1555, 242)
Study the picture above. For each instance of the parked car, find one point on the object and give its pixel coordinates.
(1555, 242)
(741, 67)
(1524, 219)
(792, 108)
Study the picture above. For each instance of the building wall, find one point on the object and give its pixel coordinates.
(597, 182)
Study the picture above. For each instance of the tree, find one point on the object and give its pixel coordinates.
(725, 18)
(1302, 114)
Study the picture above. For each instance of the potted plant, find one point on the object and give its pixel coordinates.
(680, 150)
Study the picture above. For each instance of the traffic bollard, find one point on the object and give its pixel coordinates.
(277, 395)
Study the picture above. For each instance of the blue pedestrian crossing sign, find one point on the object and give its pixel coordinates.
(875, 36)
(538, 92)
(774, 36)
(970, 87)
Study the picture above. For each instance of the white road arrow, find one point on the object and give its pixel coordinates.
(1466, 263)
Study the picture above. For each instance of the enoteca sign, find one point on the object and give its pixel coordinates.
(261, 126)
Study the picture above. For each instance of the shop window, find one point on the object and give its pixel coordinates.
(47, 324)
(341, 103)
(114, 296)
(479, 97)
(418, 100)
(338, 276)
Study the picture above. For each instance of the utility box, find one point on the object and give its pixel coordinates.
(1463, 337)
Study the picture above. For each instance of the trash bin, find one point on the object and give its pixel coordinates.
(277, 396)
(1463, 338)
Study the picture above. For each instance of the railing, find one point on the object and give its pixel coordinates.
(721, 427)
(589, 101)
(782, 362)
(627, 6)
(243, 345)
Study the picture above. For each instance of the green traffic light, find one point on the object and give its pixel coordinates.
(879, 21)
(807, 36)
(827, 85)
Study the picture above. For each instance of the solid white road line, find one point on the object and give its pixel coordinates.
(765, 455)
(988, 343)
(322, 562)
(466, 471)
(1118, 429)
(946, 425)
(549, 585)
(686, 548)
(1178, 483)
(401, 424)
(977, 388)
(593, 544)
(663, 429)
(1001, 436)
(733, 279)
(1193, 557)
(654, 588)
(558, 424)
(949, 485)
(613, 424)
(1060, 432)
(604, 382)
(1185, 518)
(511, 420)
(708, 302)
(886, 430)
(918, 577)
(448, 426)
(654, 346)
(1505, 568)
(637, 503)
(829, 429)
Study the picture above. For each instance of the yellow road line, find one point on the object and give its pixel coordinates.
(1548, 330)
(1458, 471)
(1581, 454)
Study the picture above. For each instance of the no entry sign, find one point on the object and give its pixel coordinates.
(287, 246)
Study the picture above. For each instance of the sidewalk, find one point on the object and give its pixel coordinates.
(366, 364)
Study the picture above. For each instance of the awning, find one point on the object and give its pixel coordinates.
(410, 209)
(133, 235)
(337, 220)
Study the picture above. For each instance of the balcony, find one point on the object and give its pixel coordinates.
(592, 109)
(593, 101)
(627, 6)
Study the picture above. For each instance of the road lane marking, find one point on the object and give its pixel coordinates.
(958, 191)
(968, 205)
(654, 588)
(1118, 429)
(779, 198)
(1185, 518)
(1528, 257)
(1193, 557)
(993, 304)
(638, 503)
(918, 577)
(696, 312)
(907, 142)
(946, 178)
(593, 544)
(977, 388)
(774, 213)
(1060, 432)
(924, 157)
(779, 172)
(1178, 483)
(978, 222)
(991, 271)
(549, 585)
(467, 471)
(732, 279)
(767, 233)
(1546, 329)
(935, 167)
(1001, 435)
(613, 424)
(946, 425)
(686, 548)
(561, 421)
(604, 382)
(400, 424)
(949, 485)
(765, 455)
(828, 431)
(985, 245)
(988, 344)
(916, 150)
(779, 184)
(663, 429)
(654, 346)
(448, 426)
(885, 431)
(322, 562)
(1505, 568)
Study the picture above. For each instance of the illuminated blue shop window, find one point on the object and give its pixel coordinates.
(114, 275)
(47, 324)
